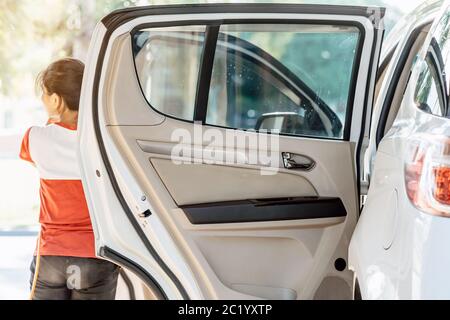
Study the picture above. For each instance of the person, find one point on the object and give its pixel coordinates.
(64, 264)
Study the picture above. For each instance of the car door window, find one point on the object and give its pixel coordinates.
(294, 78)
(167, 63)
(299, 74)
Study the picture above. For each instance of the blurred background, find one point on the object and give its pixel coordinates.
(32, 34)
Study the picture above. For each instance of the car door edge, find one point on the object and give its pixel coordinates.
(109, 169)
(117, 18)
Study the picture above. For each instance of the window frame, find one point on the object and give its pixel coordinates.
(392, 87)
(207, 61)
(435, 58)
(433, 67)
(437, 79)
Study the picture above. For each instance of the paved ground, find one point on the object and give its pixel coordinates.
(16, 253)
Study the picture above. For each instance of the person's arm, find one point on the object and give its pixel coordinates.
(25, 148)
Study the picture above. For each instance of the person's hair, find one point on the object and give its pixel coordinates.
(64, 78)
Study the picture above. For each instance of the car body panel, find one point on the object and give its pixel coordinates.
(396, 249)
(392, 50)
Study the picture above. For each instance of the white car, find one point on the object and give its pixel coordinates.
(227, 149)
(396, 251)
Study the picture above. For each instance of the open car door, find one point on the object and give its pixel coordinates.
(220, 145)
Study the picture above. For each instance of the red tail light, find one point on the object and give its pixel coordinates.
(441, 188)
(427, 174)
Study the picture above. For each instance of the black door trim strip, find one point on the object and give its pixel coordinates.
(128, 284)
(137, 269)
(204, 81)
(278, 209)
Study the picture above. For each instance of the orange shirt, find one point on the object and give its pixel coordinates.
(66, 228)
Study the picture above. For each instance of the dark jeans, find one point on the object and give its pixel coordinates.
(73, 278)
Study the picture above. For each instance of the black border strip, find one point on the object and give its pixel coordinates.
(297, 208)
(128, 283)
(383, 65)
(205, 73)
(137, 269)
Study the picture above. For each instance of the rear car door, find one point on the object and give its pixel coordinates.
(219, 145)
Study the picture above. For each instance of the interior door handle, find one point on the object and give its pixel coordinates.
(297, 161)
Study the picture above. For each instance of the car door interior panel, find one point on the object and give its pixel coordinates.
(243, 230)
(216, 183)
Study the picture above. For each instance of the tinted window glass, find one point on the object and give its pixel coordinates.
(299, 74)
(167, 63)
(294, 78)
